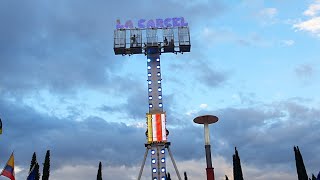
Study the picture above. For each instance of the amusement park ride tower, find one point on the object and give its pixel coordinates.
(152, 38)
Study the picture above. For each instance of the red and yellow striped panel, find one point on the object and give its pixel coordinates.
(156, 127)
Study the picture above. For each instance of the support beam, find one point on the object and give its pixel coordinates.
(143, 163)
(174, 163)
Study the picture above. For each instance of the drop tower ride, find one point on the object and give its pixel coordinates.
(152, 38)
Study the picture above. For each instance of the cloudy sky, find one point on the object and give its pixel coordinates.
(253, 63)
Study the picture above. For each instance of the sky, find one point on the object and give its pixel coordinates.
(253, 63)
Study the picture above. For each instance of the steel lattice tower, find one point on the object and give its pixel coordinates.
(152, 42)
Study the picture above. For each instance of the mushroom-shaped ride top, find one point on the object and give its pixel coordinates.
(206, 119)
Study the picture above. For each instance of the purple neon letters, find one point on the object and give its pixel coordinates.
(151, 23)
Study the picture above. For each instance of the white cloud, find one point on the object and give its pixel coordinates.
(236, 97)
(203, 106)
(311, 25)
(194, 111)
(191, 112)
(251, 172)
(218, 35)
(268, 13)
(313, 9)
(82, 172)
(288, 42)
(18, 169)
(267, 16)
(138, 124)
(221, 34)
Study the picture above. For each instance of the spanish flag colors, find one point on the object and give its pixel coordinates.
(156, 128)
(8, 170)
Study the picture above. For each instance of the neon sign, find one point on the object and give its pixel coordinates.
(153, 23)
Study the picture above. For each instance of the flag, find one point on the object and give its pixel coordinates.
(32, 173)
(8, 170)
(0, 126)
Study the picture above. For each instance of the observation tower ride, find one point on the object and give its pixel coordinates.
(152, 38)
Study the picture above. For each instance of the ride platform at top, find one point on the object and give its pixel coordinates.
(151, 38)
